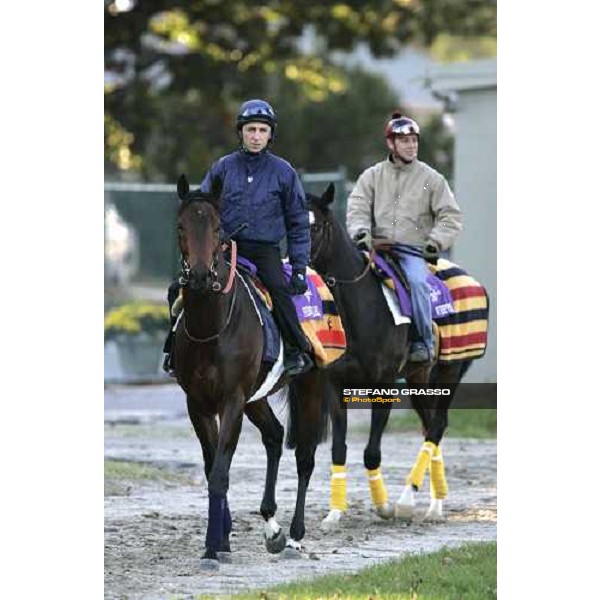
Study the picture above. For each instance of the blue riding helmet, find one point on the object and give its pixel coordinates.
(256, 110)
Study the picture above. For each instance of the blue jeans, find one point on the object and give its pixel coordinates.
(416, 272)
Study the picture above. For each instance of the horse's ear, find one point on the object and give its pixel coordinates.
(216, 188)
(183, 186)
(328, 195)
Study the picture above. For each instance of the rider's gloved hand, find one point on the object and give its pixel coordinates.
(363, 240)
(431, 253)
(298, 284)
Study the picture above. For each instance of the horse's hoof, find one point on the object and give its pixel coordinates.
(405, 506)
(404, 512)
(435, 513)
(292, 551)
(332, 521)
(277, 544)
(385, 511)
(432, 517)
(225, 557)
(209, 564)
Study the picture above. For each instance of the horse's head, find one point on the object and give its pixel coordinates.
(321, 223)
(198, 227)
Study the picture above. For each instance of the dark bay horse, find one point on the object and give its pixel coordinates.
(218, 363)
(377, 351)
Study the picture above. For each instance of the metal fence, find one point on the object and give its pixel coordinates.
(152, 208)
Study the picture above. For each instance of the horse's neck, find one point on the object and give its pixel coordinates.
(343, 261)
(205, 314)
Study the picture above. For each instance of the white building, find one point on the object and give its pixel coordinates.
(471, 91)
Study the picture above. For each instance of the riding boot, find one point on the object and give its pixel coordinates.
(167, 365)
(296, 361)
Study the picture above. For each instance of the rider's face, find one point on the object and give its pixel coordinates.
(404, 146)
(255, 136)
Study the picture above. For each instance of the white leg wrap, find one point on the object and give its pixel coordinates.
(405, 505)
(332, 520)
(272, 528)
(435, 512)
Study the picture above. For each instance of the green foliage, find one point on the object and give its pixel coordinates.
(176, 74)
(467, 572)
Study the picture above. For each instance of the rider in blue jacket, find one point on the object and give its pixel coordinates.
(263, 191)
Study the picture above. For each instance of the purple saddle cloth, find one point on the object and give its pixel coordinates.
(441, 299)
(308, 305)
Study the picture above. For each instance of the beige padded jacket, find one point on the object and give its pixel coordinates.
(409, 203)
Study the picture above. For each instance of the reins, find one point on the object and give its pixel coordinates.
(330, 280)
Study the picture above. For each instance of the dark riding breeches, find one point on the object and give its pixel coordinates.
(269, 270)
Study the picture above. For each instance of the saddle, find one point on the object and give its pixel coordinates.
(317, 313)
(460, 305)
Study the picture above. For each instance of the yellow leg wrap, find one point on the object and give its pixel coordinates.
(417, 473)
(338, 488)
(379, 494)
(439, 485)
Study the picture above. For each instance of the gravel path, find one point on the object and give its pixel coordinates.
(154, 530)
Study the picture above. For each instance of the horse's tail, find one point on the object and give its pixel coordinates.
(308, 412)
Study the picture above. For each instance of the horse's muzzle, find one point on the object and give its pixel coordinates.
(198, 281)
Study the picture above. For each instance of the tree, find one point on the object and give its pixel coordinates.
(175, 72)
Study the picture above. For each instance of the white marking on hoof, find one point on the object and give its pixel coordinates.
(291, 543)
(272, 528)
(385, 511)
(292, 550)
(435, 513)
(332, 521)
(405, 505)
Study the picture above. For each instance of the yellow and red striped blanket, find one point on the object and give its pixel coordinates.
(462, 335)
(326, 334)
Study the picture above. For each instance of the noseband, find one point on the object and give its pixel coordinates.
(213, 285)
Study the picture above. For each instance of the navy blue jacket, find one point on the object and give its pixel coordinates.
(264, 191)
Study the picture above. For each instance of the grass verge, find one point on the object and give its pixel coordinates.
(117, 470)
(467, 572)
(479, 423)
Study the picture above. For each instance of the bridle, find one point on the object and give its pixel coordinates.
(326, 226)
(213, 285)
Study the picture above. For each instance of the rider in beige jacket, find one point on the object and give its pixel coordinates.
(406, 200)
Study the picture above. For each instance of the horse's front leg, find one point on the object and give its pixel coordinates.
(261, 415)
(372, 461)
(208, 433)
(219, 521)
(416, 374)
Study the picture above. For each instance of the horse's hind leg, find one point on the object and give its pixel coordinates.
(372, 461)
(306, 399)
(338, 502)
(449, 373)
(261, 415)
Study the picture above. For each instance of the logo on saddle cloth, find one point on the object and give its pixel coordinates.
(394, 278)
(316, 310)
